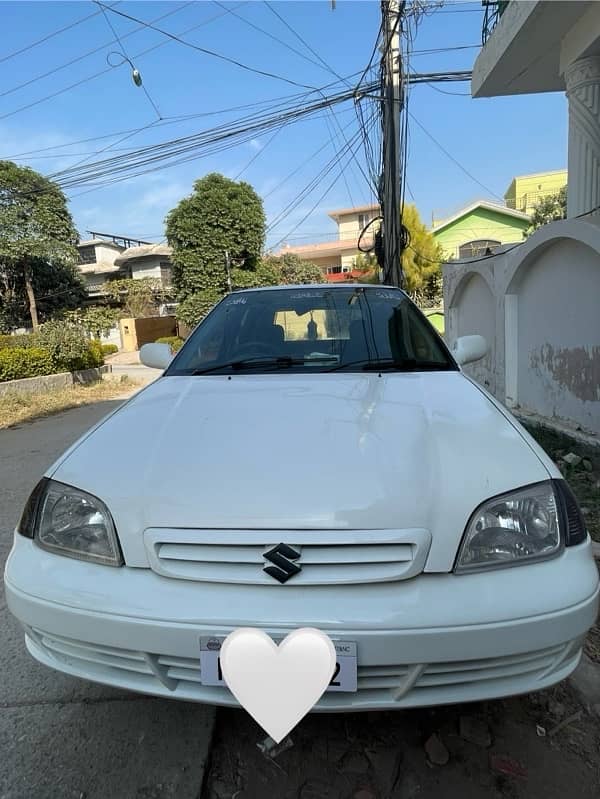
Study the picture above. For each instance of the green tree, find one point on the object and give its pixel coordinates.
(549, 209)
(422, 258)
(219, 217)
(37, 244)
(420, 261)
(96, 320)
(290, 269)
(140, 297)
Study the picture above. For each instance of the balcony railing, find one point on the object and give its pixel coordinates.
(493, 11)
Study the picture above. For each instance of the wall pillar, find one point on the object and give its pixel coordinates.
(583, 92)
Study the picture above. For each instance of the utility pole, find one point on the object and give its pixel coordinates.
(228, 271)
(392, 101)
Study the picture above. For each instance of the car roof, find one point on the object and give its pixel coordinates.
(332, 286)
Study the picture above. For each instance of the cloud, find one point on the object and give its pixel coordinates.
(255, 145)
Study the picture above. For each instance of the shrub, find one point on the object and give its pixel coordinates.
(19, 362)
(109, 349)
(68, 346)
(95, 356)
(20, 340)
(173, 341)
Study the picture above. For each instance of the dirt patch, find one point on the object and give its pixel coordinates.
(517, 753)
(19, 407)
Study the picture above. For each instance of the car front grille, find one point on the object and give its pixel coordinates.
(325, 557)
(181, 676)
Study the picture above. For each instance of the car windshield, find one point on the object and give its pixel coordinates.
(313, 329)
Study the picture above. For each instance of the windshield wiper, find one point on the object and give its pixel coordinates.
(393, 365)
(276, 362)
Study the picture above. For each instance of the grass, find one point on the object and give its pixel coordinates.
(16, 408)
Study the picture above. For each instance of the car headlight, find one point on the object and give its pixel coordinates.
(71, 522)
(521, 526)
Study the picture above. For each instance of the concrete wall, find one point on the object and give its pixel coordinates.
(39, 385)
(537, 306)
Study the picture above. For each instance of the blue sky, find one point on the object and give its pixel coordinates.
(493, 139)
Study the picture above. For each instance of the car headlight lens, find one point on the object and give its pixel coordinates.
(513, 528)
(71, 522)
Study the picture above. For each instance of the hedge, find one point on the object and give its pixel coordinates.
(19, 362)
(109, 349)
(174, 342)
(20, 340)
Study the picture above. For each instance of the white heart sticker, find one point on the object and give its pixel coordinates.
(277, 685)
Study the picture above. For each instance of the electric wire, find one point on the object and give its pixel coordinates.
(49, 36)
(355, 140)
(79, 58)
(126, 57)
(168, 151)
(452, 158)
(271, 36)
(99, 74)
(206, 51)
(302, 40)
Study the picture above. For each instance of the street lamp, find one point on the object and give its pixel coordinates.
(135, 73)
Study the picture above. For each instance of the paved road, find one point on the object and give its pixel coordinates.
(62, 738)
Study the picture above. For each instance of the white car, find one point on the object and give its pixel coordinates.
(313, 456)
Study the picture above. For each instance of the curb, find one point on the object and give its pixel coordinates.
(37, 385)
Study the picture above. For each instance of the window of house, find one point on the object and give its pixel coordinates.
(166, 273)
(363, 221)
(473, 249)
(333, 270)
(87, 255)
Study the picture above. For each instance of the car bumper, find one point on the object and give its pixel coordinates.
(434, 639)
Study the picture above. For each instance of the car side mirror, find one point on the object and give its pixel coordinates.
(156, 356)
(469, 348)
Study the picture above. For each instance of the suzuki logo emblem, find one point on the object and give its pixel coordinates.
(282, 557)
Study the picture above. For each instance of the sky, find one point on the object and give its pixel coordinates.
(491, 139)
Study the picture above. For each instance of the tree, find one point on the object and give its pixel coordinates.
(140, 297)
(37, 235)
(420, 261)
(219, 217)
(56, 287)
(290, 269)
(549, 209)
(96, 320)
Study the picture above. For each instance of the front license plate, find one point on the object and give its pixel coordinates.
(344, 676)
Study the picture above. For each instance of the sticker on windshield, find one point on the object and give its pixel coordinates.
(303, 295)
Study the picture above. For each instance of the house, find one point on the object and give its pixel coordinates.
(526, 191)
(147, 260)
(337, 257)
(478, 228)
(537, 303)
(97, 263)
(105, 256)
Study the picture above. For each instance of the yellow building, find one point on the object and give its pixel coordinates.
(526, 191)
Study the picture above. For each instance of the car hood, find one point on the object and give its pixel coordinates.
(321, 451)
